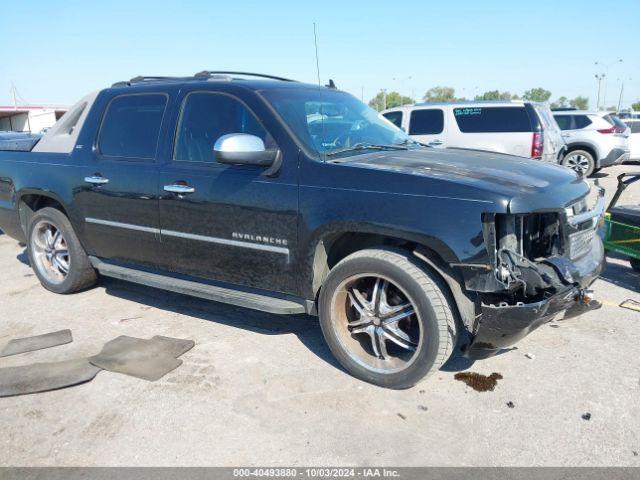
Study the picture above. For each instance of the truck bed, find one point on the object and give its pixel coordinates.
(18, 141)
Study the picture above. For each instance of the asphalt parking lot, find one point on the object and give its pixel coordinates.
(260, 389)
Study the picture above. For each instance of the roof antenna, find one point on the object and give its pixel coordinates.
(315, 40)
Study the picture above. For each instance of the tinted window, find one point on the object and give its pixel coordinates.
(131, 126)
(572, 122)
(426, 122)
(563, 121)
(394, 117)
(581, 121)
(492, 119)
(205, 118)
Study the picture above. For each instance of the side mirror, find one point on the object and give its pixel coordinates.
(243, 149)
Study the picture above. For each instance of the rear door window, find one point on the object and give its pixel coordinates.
(394, 117)
(492, 119)
(426, 122)
(131, 126)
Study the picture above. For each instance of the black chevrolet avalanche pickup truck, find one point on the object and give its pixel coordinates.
(291, 198)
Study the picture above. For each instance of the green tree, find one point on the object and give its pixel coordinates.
(581, 103)
(393, 99)
(562, 102)
(636, 106)
(440, 94)
(496, 95)
(537, 95)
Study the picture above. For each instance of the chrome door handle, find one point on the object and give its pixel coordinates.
(435, 142)
(179, 189)
(96, 180)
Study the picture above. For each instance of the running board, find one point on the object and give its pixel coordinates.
(230, 296)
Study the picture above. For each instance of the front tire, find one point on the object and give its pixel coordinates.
(56, 255)
(385, 318)
(635, 264)
(581, 162)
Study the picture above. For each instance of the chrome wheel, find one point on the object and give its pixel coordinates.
(578, 163)
(50, 252)
(376, 322)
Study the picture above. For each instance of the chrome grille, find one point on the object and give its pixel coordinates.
(580, 243)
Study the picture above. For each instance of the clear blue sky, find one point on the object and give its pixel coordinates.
(55, 52)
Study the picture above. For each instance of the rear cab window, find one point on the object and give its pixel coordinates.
(426, 122)
(131, 126)
(492, 119)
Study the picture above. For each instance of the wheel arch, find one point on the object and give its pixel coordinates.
(586, 147)
(432, 253)
(30, 201)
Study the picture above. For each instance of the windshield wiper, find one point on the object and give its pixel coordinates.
(409, 141)
(366, 146)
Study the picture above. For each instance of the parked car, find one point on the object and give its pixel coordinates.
(288, 198)
(634, 138)
(524, 129)
(628, 114)
(595, 140)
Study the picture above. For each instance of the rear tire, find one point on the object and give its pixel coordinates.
(580, 161)
(56, 255)
(386, 319)
(635, 264)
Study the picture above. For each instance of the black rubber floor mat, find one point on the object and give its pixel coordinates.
(147, 359)
(42, 377)
(29, 344)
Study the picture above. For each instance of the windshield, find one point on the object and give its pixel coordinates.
(334, 123)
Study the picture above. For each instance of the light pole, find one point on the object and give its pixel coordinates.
(621, 91)
(604, 76)
(384, 99)
(401, 80)
(600, 78)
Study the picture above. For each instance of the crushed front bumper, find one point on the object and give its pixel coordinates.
(501, 326)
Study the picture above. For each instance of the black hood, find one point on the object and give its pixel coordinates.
(527, 184)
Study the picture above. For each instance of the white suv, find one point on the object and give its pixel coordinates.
(594, 140)
(524, 129)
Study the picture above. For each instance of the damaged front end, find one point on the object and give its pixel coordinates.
(540, 266)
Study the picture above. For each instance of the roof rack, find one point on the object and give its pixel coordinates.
(205, 74)
(211, 73)
(148, 78)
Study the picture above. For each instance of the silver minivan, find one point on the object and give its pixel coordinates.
(521, 128)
